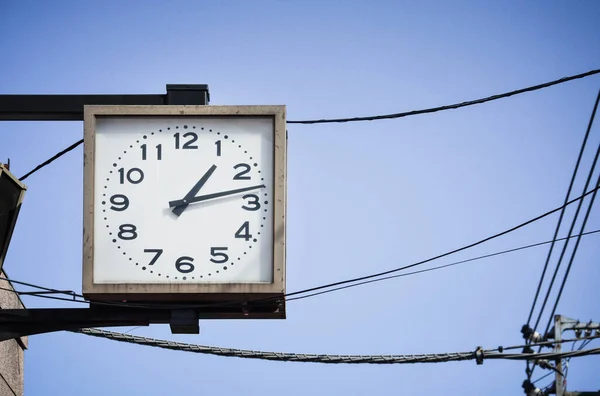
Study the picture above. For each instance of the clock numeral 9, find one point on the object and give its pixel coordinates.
(127, 232)
(244, 231)
(240, 174)
(120, 202)
(189, 144)
(216, 254)
(184, 264)
(253, 203)
(133, 175)
(158, 152)
(157, 253)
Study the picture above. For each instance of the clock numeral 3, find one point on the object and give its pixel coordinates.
(158, 152)
(253, 203)
(189, 144)
(133, 175)
(157, 253)
(120, 202)
(240, 175)
(222, 256)
(184, 264)
(244, 231)
(127, 232)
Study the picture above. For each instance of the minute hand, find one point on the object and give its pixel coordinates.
(214, 195)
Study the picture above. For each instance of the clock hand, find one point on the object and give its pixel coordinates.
(178, 209)
(206, 197)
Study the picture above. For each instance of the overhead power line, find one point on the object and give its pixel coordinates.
(542, 377)
(74, 295)
(575, 217)
(383, 273)
(566, 275)
(573, 223)
(479, 354)
(451, 106)
(562, 212)
(51, 159)
(385, 116)
(438, 267)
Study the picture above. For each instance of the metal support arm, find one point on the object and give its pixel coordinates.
(70, 107)
(16, 323)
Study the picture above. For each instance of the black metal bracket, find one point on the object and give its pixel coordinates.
(70, 107)
(15, 323)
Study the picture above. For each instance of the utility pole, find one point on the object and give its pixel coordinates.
(561, 324)
(559, 377)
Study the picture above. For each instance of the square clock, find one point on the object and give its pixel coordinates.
(184, 203)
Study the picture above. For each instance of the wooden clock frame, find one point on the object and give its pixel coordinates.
(197, 292)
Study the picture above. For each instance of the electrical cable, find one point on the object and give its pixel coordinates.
(574, 251)
(331, 359)
(385, 116)
(566, 275)
(562, 212)
(564, 249)
(451, 106)
(51, 159)
(73, 294)
(583, 345)
(437, 267)
(546, 343)
(443, 254)
(541, 378)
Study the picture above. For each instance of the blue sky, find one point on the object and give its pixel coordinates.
(363, 197)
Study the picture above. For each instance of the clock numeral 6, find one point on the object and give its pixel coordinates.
(253, 203)
(216, 254)
(127, 232)
(184, 264)
(189, 144)
(133, 175)
(244, 231)
(240, 174)
(119, 202)
(157, 253)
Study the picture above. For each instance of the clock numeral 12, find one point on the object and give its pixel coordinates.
(158, 152)
(244, 231)
(189, 144)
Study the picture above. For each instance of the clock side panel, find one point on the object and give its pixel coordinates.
(280, 193)
(88, 200)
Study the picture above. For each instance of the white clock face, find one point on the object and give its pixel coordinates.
(183, 200)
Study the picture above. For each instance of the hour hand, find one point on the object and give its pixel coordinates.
(183, 203)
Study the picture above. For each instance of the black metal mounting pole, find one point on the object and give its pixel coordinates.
(70, 107)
